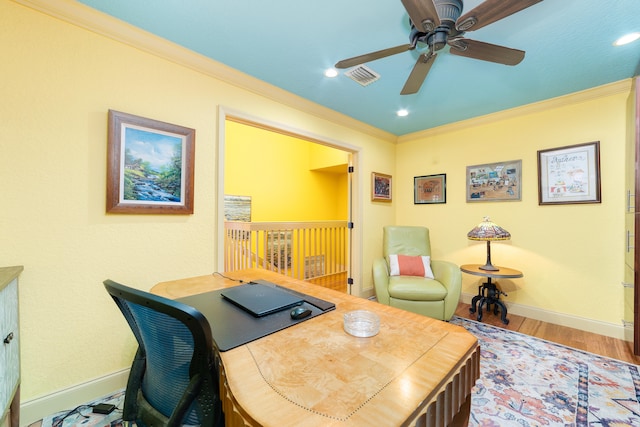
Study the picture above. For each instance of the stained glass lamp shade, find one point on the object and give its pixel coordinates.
(488, 231)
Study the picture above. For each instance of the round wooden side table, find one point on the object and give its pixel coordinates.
(488, 292)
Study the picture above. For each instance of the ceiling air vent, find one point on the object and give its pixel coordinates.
(362, 75)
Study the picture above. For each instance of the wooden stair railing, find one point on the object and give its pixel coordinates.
(313, 251)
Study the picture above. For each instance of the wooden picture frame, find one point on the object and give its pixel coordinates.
(149, 166)
(380, 187)
(569, 174)
(430, 189)
(495, 182)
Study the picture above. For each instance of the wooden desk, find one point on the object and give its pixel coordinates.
(488, 293)
(415, 371)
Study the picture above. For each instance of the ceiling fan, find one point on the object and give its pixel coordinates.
(437, 23)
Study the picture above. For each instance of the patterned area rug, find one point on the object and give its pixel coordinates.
(526, 381)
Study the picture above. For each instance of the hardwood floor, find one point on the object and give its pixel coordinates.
(587, 341)
(337, 281)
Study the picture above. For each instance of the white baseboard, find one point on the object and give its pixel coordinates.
(584, 324)
(36, 409)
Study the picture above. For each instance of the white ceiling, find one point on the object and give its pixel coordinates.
(289, 44)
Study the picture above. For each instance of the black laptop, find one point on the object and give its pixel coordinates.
(261, 300)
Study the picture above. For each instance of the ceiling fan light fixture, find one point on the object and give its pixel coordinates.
(438, 40)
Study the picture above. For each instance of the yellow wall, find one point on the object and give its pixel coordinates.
(286, 177)
(572, 256)
(57, 82)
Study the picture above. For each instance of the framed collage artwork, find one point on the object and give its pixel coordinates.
(492, 182)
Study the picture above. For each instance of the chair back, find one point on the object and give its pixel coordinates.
(405, 240)
(173, 379)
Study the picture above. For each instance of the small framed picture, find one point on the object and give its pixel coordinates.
(430, 189)
(494, 182)
(149, 166)
(569, 174)
(380, 187)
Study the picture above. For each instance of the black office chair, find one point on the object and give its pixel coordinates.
(173, 379)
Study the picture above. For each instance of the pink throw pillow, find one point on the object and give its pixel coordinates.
(405, 265)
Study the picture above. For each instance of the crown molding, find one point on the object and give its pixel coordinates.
(98, 22)
(622, 86)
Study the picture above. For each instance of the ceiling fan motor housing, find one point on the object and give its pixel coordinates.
(448, 12)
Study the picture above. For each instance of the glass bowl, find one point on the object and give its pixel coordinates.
(361, 323)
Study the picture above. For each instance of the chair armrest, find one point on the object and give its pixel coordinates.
(450, 276)
(381, 280)
(447, 273)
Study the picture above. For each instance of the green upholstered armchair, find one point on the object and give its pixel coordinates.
(437, 297)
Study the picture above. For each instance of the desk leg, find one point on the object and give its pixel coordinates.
(462, 418)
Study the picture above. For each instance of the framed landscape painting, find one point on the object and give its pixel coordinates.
(149, 166)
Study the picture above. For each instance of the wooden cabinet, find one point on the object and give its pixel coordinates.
(10, 347)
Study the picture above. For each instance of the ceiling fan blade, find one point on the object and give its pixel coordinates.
(423, 14)
(485, 51)
(368, 57)
(418, 74)
(491, 11)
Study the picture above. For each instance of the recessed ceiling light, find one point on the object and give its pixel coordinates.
(402, 113)
(627, 38)
(331, 72)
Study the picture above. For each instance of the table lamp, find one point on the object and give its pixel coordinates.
(488, 231)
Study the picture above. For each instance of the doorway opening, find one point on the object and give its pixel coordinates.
(286, 203)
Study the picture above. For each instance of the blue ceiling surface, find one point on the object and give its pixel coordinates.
(289, 44)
